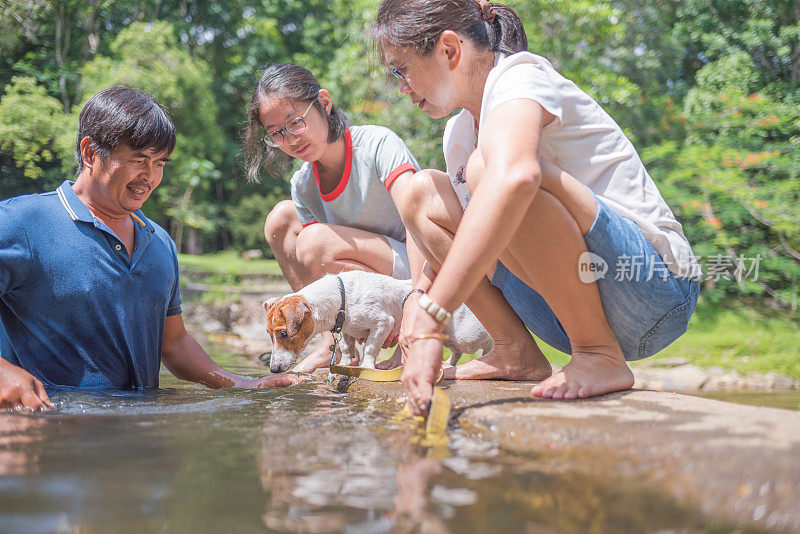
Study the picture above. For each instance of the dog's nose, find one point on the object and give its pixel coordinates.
(276, 368)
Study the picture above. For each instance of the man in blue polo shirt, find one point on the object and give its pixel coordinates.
(89, 294)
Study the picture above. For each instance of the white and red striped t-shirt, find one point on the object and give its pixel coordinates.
(374, 157)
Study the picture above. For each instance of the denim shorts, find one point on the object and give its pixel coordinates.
(647, 306)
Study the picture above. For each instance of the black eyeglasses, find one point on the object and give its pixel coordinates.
(396, 70)
(295, 126)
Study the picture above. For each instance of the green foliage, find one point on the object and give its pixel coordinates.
(227, 263)
(735, 180)
(740, 337)
(32, 126)
(590, 43)
(708, 91)
(767, 31)
(246, 220)
(19, 19)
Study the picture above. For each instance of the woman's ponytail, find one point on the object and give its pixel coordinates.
(417, 24)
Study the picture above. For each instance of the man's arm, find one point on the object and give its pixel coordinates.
(20, 389)
(186, 359)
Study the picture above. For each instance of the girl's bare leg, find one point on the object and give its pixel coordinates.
(431, 213)
(281, 230)
(329, 248)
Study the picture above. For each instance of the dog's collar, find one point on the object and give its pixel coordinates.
(340, 317)
(337, 326)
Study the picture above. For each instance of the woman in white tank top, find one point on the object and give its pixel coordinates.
(554, 199)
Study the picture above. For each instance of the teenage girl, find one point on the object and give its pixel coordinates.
(342, 214)
(562, 216)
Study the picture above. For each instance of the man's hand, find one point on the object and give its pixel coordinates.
(21, 390)
(187, 360)
(278, 381)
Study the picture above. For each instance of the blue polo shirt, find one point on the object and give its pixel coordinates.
(75, 309)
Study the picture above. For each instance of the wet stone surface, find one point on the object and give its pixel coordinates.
(736, 463)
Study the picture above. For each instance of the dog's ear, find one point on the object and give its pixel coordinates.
(295, 320)
(268, 305)
(269, 302)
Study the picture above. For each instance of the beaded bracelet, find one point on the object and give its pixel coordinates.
(438, 313)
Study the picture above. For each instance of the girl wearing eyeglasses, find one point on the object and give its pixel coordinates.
(592, 260)
(342, 214)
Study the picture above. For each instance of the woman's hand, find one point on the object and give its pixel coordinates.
(410, 308)
(422, 357)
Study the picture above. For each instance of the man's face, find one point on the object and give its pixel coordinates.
(125, 179)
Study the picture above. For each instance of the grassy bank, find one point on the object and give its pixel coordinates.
(743, 338)
(228, 263)
(733, 336)
(220, 278)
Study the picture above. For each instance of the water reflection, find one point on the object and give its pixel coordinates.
(353, 466)
(303, 459)
(19, 444)
(412, 504)
(316, 470)
(321, 485)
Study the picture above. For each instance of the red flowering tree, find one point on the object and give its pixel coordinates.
(734, 181)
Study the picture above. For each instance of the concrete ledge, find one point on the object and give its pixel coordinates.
(737, 463)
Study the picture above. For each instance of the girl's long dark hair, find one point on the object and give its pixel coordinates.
(291, 82)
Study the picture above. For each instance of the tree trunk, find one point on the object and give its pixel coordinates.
(92, 24)
(193, 243)
(177, 233)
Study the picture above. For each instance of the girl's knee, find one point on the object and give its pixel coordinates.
(314, 246)
(280, 220)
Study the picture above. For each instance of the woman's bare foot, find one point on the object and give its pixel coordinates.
(507, 361)
(320, 357)
(587, 375)
(396, 360)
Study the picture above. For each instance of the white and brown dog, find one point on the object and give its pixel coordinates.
(372, 307)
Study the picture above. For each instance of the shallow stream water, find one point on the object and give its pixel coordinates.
(302, 459)
(785, 400)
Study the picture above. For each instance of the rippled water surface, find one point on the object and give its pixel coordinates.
(303, 459)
